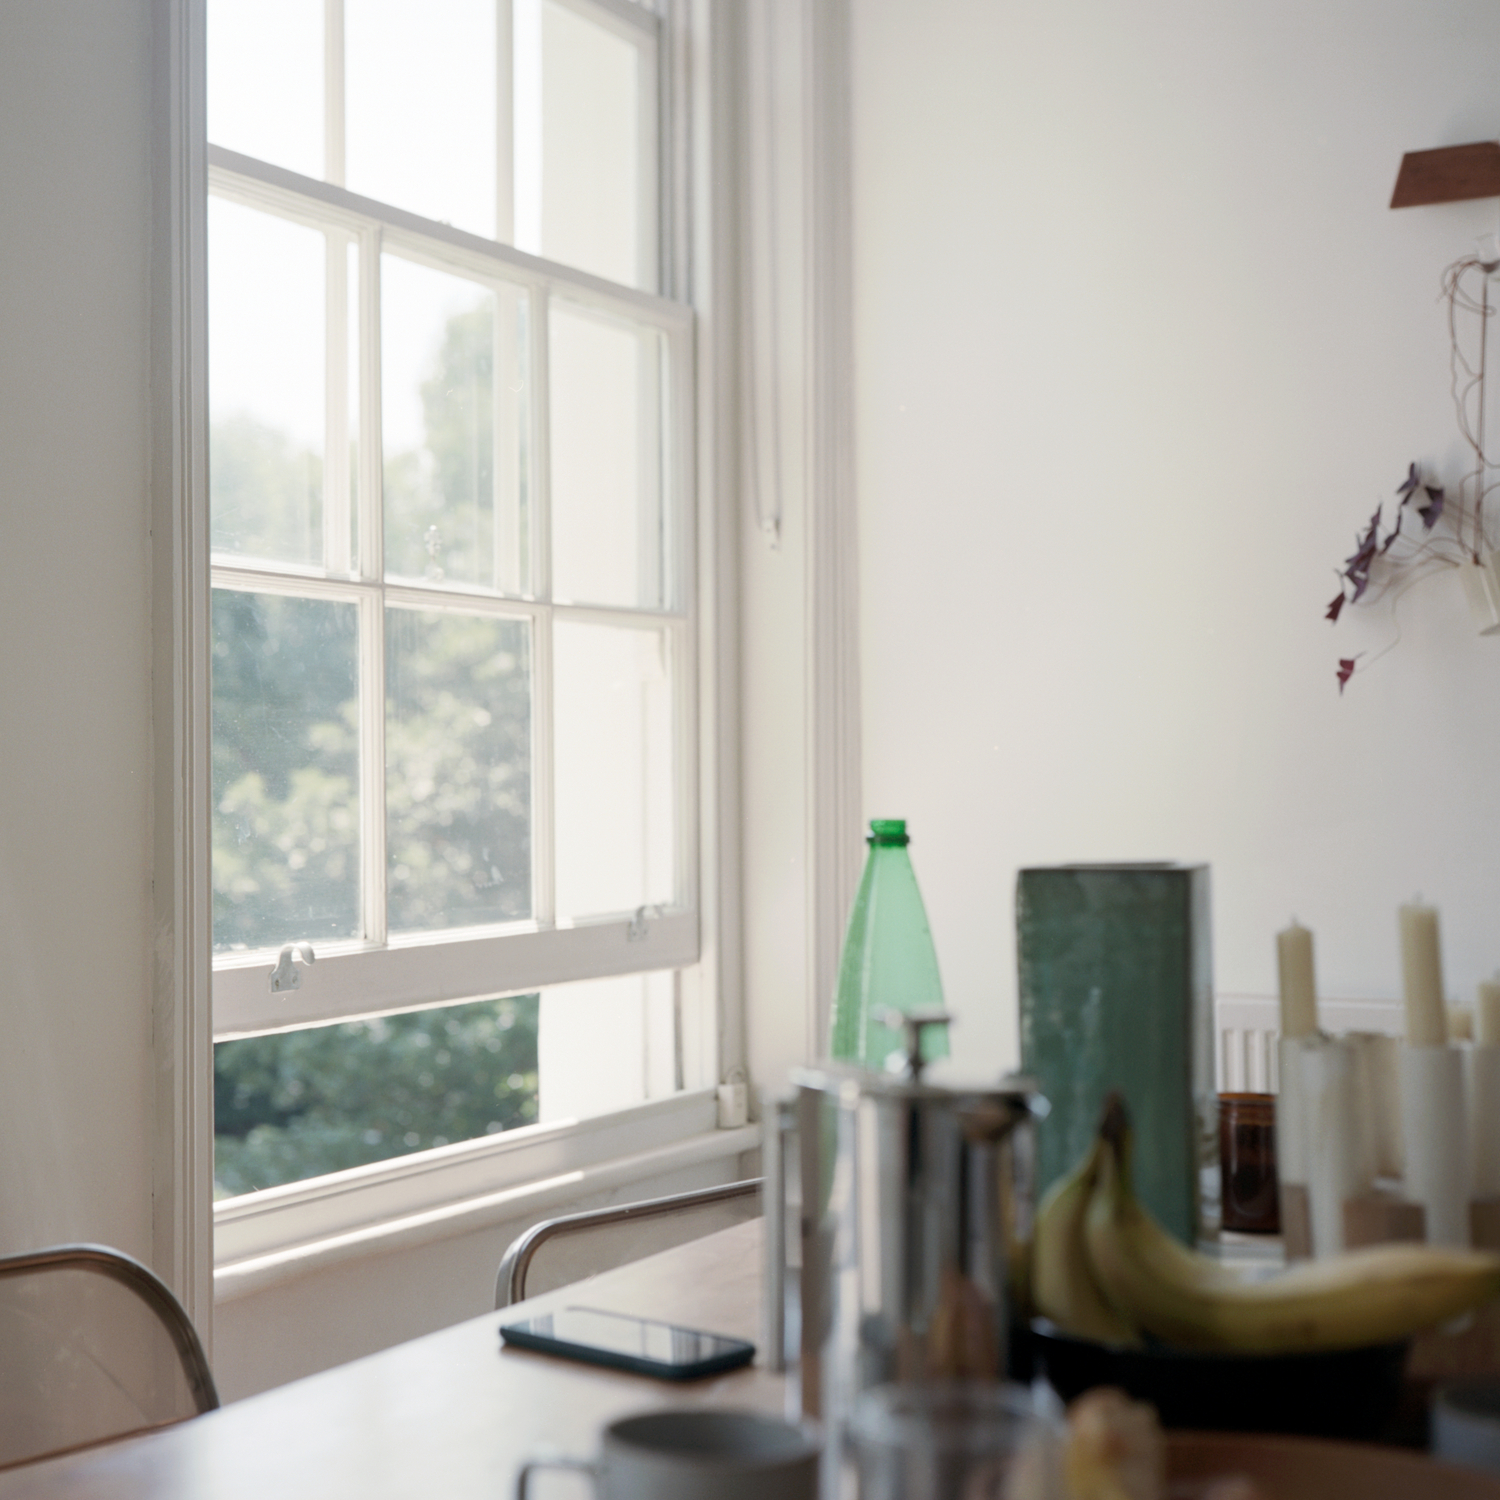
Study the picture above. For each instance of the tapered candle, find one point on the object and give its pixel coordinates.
(1299, 992)
(1422, 971)
(1487, 1014)
(1460, 1023)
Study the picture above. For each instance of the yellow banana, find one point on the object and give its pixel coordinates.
(1370, 1296)
(1062, 1282)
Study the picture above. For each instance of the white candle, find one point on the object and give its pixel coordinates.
(1487, 1014)
(1299, 993)
(1422, 971)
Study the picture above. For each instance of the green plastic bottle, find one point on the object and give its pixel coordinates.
(888, 962)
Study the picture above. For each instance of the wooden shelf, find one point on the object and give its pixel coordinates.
(1449, 174)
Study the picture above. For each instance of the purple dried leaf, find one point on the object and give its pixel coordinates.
(1335, 608)
(1395, 531)
(1365, 543)
(1408, 486)
(1434, 507)
(1345, 672)
(1361, 582)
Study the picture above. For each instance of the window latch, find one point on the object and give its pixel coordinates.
(639, 927)
(286, 975)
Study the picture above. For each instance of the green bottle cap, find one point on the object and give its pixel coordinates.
(888, 832)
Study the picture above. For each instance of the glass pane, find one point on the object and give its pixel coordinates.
(608, 540)
(261, 51)
(458, 770)
(616, 812)
(308, 1102)
(266, 285)
(586, 142)
(453, 435)
(606, 1044)
(419, 92)
(285, 770)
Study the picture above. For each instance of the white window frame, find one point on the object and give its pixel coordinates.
(698, 937)
(382, 973)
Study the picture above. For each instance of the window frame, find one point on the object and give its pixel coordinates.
(359, 979)
(411, 971)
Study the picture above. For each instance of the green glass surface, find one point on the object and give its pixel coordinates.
(888, 960)
(1115, 970)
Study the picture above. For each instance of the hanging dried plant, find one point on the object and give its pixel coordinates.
(1433, 530)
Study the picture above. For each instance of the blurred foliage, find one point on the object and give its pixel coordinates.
(285, 770)
(265, 494)
(439, 500)
(286, 863)
(458, 770)
(302, 1103)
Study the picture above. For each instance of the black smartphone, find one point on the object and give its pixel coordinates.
(623, 1343)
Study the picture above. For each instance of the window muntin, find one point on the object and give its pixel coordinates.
(431, 492)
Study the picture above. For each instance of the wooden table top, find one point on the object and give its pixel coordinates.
(451, 1415)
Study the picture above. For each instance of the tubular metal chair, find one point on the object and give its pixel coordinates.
(583, 1244)
(93, 1347)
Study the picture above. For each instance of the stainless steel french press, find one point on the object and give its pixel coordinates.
(898, 1226)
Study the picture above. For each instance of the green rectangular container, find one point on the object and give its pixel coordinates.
(1116, 987)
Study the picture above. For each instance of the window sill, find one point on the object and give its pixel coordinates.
(263, 1239)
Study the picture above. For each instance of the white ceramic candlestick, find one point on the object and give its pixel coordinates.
(1378, 1156)
(1336, 1160)
(1435, 1128)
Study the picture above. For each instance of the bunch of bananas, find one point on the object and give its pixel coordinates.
(1104, 1269)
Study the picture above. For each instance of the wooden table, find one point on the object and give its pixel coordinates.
(449, 1416)
(452, 1415)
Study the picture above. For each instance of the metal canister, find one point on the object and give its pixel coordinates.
(913, 1202)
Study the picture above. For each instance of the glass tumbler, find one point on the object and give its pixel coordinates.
(955, 1441)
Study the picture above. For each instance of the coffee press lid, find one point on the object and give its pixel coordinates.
(1014, 1095)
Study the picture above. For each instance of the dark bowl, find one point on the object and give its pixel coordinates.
(1347, 1393)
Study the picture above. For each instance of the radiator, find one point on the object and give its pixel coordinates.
(1249, 1026)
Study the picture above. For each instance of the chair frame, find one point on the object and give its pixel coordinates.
(149, 1287)
(510, 1282)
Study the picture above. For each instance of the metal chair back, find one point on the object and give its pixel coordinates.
(93, 1347)
(560, 1251)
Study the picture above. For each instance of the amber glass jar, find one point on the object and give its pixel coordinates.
(1247, 1163)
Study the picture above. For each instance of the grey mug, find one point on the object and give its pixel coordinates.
(697, 1453)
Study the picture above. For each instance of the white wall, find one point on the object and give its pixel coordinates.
(75, 664)
(1139, 345)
